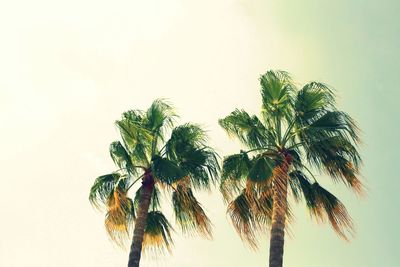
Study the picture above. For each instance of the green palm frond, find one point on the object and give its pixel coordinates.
(155, 202)
(239, 168)
(202, 167)
(159, 118)
(312, 99)
(331, 123)
(185, 138)
(334, 211)
(189, 213)
(261, 169)
(323, 204)
(157, 235)
(141, 154)
(137, 139)
(300, 184)
(235, 170)
(338, 158)
(121, 157)
(160, 114)
(166, 170)
(187, 147)
(102, 189)
(248, 129)
(236, 166)
(277, 92)
(134, 116)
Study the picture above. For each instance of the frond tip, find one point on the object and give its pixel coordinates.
(119, 217)
(328, 206)
(102, 189)
(243, 220)
(189, 213)
(248, 129)
(157, 235)
(322, 204)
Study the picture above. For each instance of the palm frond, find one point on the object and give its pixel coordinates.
(187, 148)
(235, 170)
(277, 92)
(102, 189)
(119, 217)
(157, 235)
(137, 138)
(332, 123)
(329, 140)
(323, 205)
(279, 190)
(160, 114)
(166, 170)
(338, 158)
(300, 184)
(230, 188)
(189, 213)
(185, 138)
(248, 129)
(264, 207)
(159, 118)
(334, 210)
(202, 167)
(261, 169)
(313, 99)
(121, 157)
(236, 166)
(242, 216)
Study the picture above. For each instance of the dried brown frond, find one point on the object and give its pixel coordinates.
(243, 220)
(119, 218)
(327, 207)
(347, 173)
(154, 244)
(185, 181)
(189, 213)
(229, 188)
(350, 173)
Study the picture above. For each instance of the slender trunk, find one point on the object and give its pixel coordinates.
(141, 220)
(279, 210)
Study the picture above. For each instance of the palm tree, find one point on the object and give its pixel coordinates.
(299, 132)
(174, 166)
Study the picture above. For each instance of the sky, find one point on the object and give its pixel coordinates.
(68, 69)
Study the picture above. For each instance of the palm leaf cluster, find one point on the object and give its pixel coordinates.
(299, 134)
(179, 162)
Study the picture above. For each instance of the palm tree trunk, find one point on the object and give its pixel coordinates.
(141, 219)
(279, 210)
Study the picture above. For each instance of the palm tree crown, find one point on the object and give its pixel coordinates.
(173, 165)
(300, 131)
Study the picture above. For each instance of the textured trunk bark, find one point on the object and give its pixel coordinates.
(278, 217)
(141, 220)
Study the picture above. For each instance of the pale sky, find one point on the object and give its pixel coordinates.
(68, 69)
